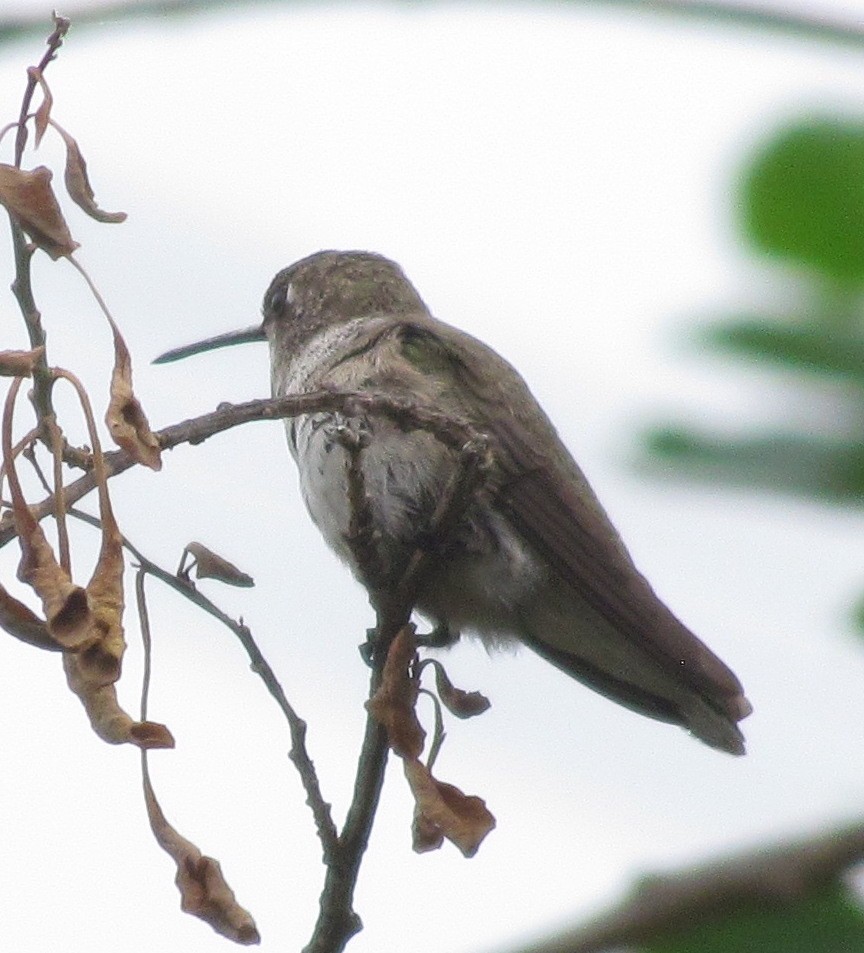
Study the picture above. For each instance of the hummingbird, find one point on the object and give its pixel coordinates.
(534, 559)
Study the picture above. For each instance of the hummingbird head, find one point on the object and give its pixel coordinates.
(323, 289)
(330, 287)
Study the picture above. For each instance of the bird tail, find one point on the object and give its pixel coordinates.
(581, 642)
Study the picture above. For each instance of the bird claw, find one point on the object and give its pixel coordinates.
(441, 637)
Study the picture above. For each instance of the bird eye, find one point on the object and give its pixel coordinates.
(279, 299)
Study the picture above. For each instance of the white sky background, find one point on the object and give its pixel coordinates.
(556, 180)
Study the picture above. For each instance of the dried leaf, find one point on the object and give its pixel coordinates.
(150, 734)
(460, 703)
(78, 183)
(209, 565)
(19, 620)
(203, 890)
(102, 661)
(27, 196)
(92, 672)
(425, 836)
(64, 603)
(125, 417)
(20, 363)
(393, 703)
(107, 718)
(463, 819)
(43, 113)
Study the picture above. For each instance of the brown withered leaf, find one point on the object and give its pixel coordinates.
(92, 672)
(101, 662)
(425, 835)
(27, 196)
(78, 182)
(107, 718)
(43, 113)
(210, 565)
(463, 819)
(460, 703)
(20, 363)
(125, 417)
(392, 705)
(19, 620)
(64, 604)
(203, 890)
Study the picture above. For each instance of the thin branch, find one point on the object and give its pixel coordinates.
(54, 42)
(361, 537)
(453, 432)
(338, 921)
(22, 287)
(299, 754)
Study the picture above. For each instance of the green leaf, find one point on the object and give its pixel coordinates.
(828, 921)
(818, 467)
(803, 197)
(818, 347)
(858, 614)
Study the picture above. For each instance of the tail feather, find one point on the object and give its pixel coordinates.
(580, 642)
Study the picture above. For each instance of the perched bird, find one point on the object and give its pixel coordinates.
(535, 558)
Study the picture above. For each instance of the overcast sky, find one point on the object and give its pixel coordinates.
(556, 180)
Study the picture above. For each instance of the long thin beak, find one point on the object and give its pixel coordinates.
(255, 333)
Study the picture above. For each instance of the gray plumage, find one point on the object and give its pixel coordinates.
(535, 558)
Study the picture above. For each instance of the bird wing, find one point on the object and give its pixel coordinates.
(553, 507)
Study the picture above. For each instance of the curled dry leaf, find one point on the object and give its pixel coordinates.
(43, 113)
(64, 603)
(425, 835)
(108, 719)
(93, 670)
(463, 819)
(392, 705)
(20, 363)
(125, 417)
(78, 182)
(460, 703)
(19, 620)
(28, 197)
(203, 890)
(209, 565)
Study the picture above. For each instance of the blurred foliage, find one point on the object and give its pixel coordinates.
(801, 201)
(801, 204)
(803, 198)
(799, 25)
(828, 921)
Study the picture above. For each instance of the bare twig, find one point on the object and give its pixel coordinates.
(361, 536)
(54, 42)
(299, 754)
(22, 287)
(453, 432)
(338, 921)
